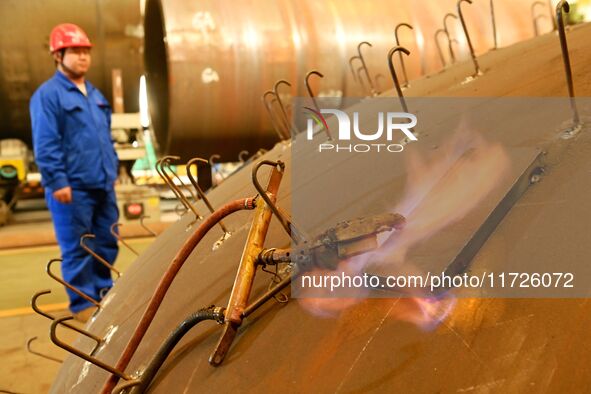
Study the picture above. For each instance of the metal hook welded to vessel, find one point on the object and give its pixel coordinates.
(285, 222)
(494, 25)
(478, 71)
(168, 164)
(352, 68)
(451, 51)
(560, 7)
(96, 256)
(68, 285)
(120, 238)
(166, 160)
(38, 310)
(309, 89)
(269, 106)
(200, 192)
(284, 135)
(360, 79)
(379, 77)
(28, 347)
(393, 73)
(311, 93)
(160, 171)
(144, 226)
(281, 106)
(213, 159)
(82, 355)
(406, 82)
(241, 156)
(439, 31)
(371, 85)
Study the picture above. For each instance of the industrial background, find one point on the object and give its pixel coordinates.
(203, 99)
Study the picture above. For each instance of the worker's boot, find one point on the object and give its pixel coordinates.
(85, 314)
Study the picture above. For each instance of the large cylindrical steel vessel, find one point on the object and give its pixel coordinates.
(209, 62)
(114, 27)
(513, 344)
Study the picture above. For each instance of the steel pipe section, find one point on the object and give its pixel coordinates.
(209, 62)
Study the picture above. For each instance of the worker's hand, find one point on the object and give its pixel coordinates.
(63, 195)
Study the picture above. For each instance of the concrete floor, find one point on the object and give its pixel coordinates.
(23, 372)
(23, 273)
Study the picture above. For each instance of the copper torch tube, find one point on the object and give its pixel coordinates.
(166, 281)
(248, 265)
(252, 249)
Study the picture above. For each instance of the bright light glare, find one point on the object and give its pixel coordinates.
(144, 115)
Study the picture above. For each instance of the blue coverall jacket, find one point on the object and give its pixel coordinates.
(72, 136)
(73, 147)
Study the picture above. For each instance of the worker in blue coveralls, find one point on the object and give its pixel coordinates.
(71, 123)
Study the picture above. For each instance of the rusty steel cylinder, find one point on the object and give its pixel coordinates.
(209, 62)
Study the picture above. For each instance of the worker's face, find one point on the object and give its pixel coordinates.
(77, 60)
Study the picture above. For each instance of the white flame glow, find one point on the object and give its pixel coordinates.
(440, 191)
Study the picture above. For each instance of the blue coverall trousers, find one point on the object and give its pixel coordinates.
(91, 211)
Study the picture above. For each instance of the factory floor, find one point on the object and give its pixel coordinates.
(22, 274)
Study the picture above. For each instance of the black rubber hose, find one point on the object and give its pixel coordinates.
(210, 313)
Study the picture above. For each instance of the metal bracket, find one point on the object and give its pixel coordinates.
(393, 73)
(120, 238)
(290, 129)
(28, 347)
(152, 233)
(76, 352)
(269, 108)
(199, 190)
(577, 125)
(166, 163)
(474, 60)
(36, 308)
(68, 285)
(406, 82)
(96, 256)
(360, 55)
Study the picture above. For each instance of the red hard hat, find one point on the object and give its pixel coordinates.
(67, 35)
